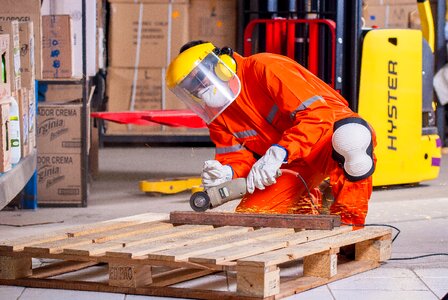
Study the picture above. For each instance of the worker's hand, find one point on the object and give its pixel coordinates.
(265, 170)
(214, 173)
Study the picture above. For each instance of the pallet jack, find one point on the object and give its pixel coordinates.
(170, 186)
(174, 118)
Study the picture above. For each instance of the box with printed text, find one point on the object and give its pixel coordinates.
(57, 47)
(59, 178)
(59, 128)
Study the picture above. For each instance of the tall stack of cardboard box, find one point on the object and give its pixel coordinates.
(60, 114)
(59, 140)
(27, 75)
(391, 14)
(27, 13)
(20, 75)
(144, 36)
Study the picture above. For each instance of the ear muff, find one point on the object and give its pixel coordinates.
(224, 69)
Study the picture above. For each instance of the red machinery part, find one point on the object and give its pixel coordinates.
(173, 118)
(281, 39)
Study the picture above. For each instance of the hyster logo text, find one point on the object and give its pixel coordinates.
(392, 110)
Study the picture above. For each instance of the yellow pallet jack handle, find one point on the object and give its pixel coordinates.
(427, 22)
(173, 186)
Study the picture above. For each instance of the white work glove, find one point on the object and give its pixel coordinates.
(214, 173)
(265, 170)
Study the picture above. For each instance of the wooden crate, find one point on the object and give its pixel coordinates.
(149, 255)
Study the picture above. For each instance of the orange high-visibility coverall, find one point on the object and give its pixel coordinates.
(282, 103)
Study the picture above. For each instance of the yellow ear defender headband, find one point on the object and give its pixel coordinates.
(228, 62)
(183, 64)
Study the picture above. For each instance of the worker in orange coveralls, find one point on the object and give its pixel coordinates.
(267, 113)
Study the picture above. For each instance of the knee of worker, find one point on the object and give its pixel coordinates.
(354, 216)
(353, 148)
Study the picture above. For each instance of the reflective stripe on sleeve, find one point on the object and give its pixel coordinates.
(224, 150)
(305, 105)
(272, 113)
(245, 134)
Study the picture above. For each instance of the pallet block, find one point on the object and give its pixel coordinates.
(149, 255)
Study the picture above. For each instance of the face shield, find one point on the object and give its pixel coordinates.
(209, 88)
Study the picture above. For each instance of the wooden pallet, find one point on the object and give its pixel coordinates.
(149, 255)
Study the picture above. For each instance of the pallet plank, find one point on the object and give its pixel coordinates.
(299, 251)
(172, 242)
(117, 223)
(178, 275)
(225, 255)
(18, 244)
(60, 268)
(59, 245)
(256, 220)
(194, 293)
(183, 253)
(150, 236)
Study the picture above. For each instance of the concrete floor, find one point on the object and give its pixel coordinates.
(420, 212)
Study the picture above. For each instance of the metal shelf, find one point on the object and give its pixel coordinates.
(13, 181)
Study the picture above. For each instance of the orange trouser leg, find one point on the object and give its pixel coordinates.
(350, 198)
(287, 196)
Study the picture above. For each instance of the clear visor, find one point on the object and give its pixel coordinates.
(209, 88)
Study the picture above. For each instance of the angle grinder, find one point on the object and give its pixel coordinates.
(223, 193)
(218, 195)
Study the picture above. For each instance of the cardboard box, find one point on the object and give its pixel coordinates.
(57, 47)
(23, 102)
(59, 128)
(5, 86)
(126, 94)
(390, 16)
(59, 178)
(5, 153)
(24, 11)
(57, 93)
(147, 92)
(387, 2)
(32, 124)
(74, 9)
(214, 21)
(146, 33)
(12, 28)
(27, 59)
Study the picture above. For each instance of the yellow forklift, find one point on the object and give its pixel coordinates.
(396, 97)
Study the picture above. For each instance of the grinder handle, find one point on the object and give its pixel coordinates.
(227, 191)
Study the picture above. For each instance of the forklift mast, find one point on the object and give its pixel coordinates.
(346, 14)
